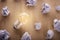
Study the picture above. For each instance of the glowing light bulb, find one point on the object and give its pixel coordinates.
(24, 17)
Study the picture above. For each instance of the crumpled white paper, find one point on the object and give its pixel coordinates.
(5, 11)
(31, 2)
(45, 8)
(57, 25)
(4, 35)
(26, 36)
(58, 8)
(50, 34)
(37, 26)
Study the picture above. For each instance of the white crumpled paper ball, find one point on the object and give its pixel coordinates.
(50, 34)
(26, 36)
(58, 8)
(37, 26)
(57, 25)
(45, 8)
(5, 11)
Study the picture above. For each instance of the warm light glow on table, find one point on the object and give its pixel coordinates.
(24, 18)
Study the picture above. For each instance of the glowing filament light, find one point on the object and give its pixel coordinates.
(24, 17)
